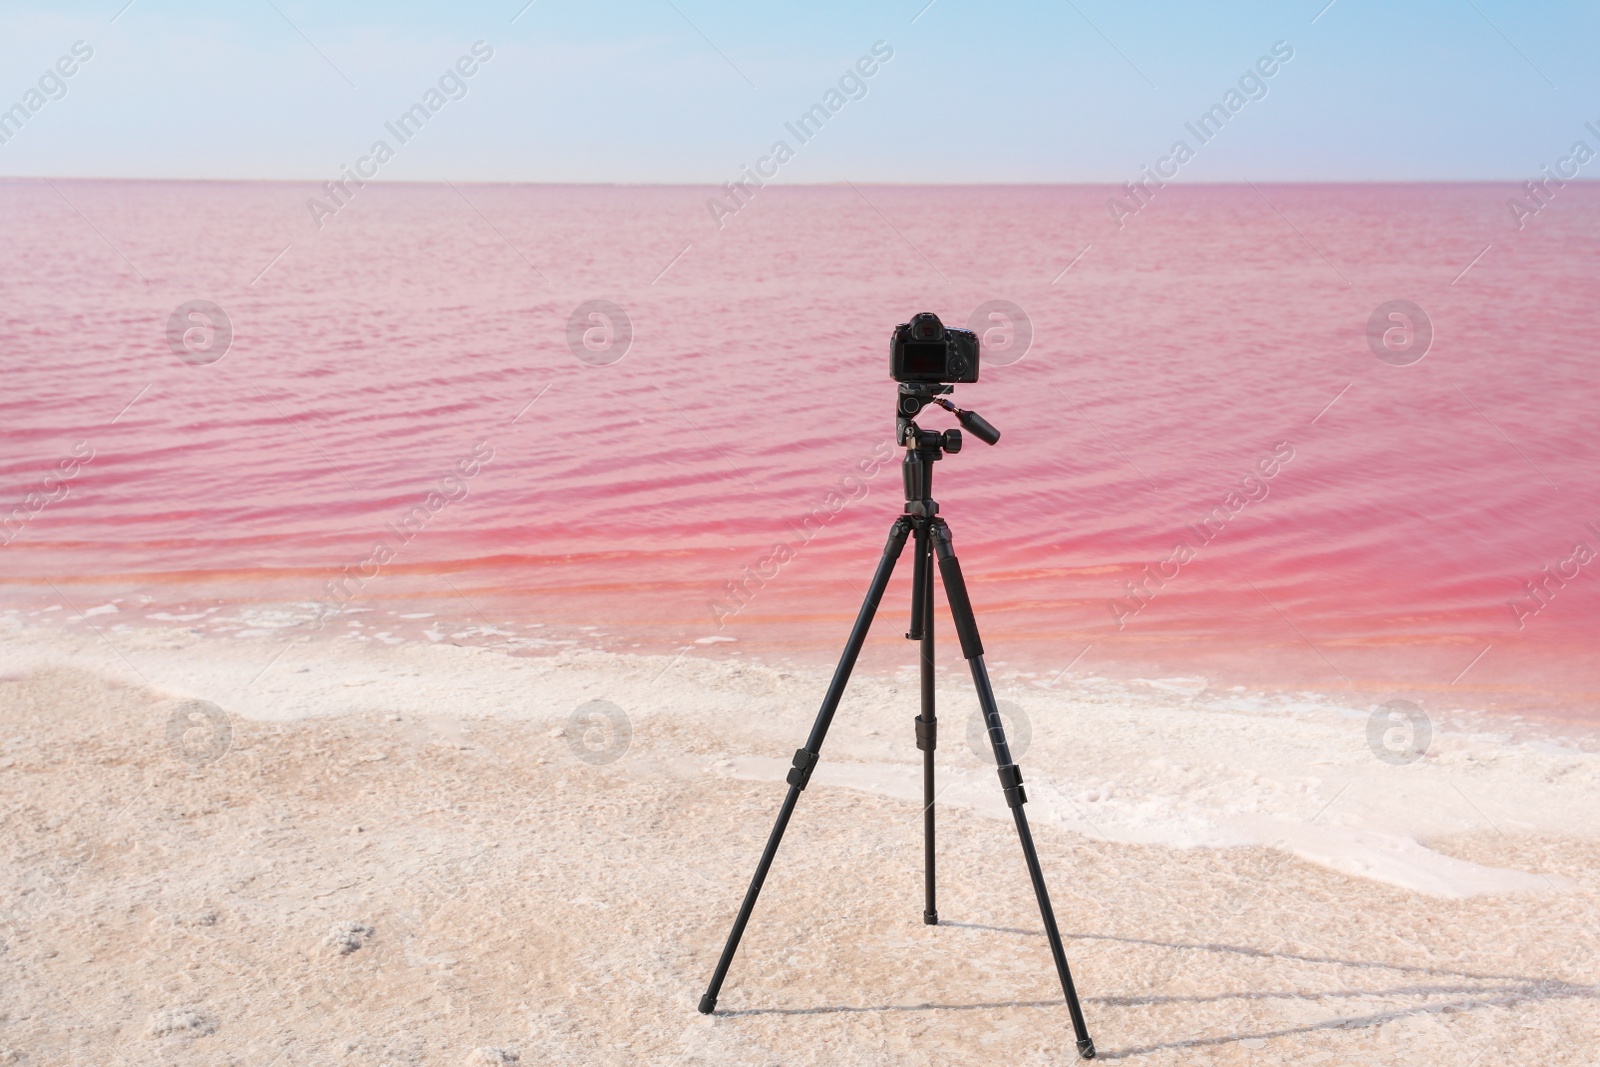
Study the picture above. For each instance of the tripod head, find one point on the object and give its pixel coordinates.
(914, 396)
(923, 447)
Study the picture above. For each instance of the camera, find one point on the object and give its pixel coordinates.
(926, 350)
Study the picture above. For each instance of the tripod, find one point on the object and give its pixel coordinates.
(932, 541)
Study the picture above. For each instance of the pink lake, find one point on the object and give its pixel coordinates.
(1424, 532)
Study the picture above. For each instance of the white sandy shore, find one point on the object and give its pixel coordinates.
(408, 855)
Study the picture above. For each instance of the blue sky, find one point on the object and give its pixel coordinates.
(691, 90)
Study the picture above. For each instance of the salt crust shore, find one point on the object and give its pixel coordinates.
(407, 855)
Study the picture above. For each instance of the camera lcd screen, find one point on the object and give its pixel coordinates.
(924, 357)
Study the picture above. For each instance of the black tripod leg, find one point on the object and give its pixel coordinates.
(927, 722)
(805, 760)
(1010, 775)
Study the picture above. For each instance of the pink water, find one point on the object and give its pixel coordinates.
(1170, 359)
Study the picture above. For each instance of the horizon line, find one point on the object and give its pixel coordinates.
(840, 184)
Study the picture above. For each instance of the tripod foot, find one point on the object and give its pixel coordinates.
(931, 918)
(1086, 1049)
(708, 1004)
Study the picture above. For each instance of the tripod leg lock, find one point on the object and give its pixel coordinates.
(804, 763)
(1011, 782)
(927, 734)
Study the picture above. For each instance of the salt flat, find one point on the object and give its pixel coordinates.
(414, 854)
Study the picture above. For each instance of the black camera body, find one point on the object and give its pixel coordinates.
(926, 350)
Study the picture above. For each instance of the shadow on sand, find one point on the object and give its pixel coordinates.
(1505, 990)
